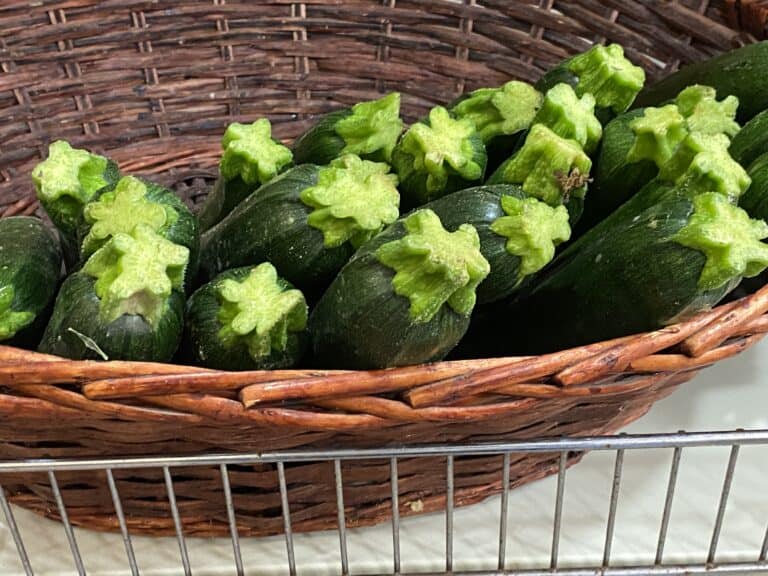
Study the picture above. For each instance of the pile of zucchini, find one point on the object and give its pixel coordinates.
(517, 219)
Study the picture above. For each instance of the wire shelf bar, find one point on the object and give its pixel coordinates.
(560, 450)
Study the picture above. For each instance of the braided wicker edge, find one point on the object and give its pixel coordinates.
(351, 399)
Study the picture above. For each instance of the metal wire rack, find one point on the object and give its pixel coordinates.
(619, 445)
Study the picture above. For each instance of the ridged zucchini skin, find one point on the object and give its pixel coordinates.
(321, 144)
(751, 141)
(129, 337)
(742, 72)
(30, 263)
(202, 344)
(755, 199)
(614, 179)
(755, 202)
(360, 323)
(223, 197)
(272, 227)
(481, 206)
(184, 231)
(557, 75)
(631, 278)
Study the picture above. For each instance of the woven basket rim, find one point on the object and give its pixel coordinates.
(438, 388)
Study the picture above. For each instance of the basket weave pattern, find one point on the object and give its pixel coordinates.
(153, 85)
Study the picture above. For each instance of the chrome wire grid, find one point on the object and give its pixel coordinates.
(619, 445)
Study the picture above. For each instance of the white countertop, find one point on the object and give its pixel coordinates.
(731, 395)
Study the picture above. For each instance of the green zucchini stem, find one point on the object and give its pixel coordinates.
(260, 311)
(135, 274)
(372, 127)
(727, 237)
(251, 154)
(65, 182)
(703, 112)
(533, 229)
(353, 200)
(658, 132)
(571, 117)
(435, 151)
(608, 75)
(549, 167)
(120, 211)
(500, 111)
(435, 267)
(702, 163)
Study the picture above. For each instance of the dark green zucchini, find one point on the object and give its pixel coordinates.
(755, 202)
(501, 115)
(307, 222)
(549, 168)
(251, 158)
(637, 144)
(751, 141)
(66, 181)
(120, 207)
(404, 298)
(518, 235)
(742, 72)
(367, 129)
(602, 71)
(709, 169)
(126, 303)
(436, 156)
(246, 319)
(30, 270)
(665, 264)
(755, 199)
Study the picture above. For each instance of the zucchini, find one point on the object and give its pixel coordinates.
(637, 144)
(501, 115)
(367, 129)
(131, 201)
(676, 258)
(307, 222)
(30, 269)
(246, 319)
(602, 71)
(438, 155)
(404, 298)
(549, 168)
(126, 303)
(755, 199)
(709, 169)
(251, 158)
(518, 235)
(65, 182)
(755, 202)
(751, 141)
(742, 72)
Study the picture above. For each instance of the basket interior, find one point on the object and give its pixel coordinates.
(154, 84)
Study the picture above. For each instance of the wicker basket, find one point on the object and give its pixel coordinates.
(154, 85)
